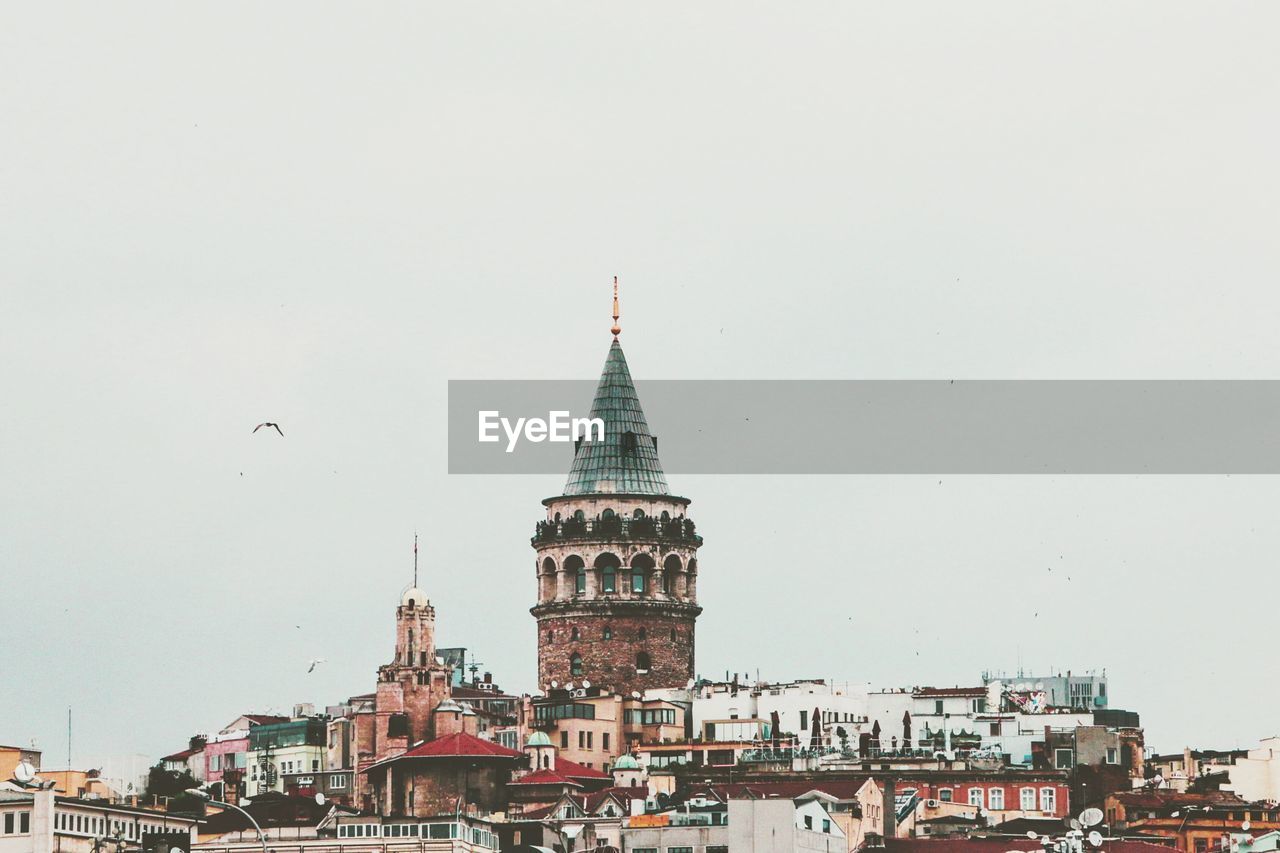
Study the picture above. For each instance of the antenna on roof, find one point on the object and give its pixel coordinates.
(415, 559)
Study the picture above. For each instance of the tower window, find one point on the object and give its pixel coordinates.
(573, 635)
(639, 513)
(642, 662)
(610, 579)
(673, 635)
(643, 634)
(580, 582)
(575, 665)
(629, 441)
(607, 515)
(637, 580)
(607, 634)
(579, 515)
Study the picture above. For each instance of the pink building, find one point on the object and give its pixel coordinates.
(226, 754)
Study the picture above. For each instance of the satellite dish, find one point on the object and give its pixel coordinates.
(1073, 823)
(1031, 833)
(554, 684)
(1095, 838)
(24, 772)
(1174, 814)
(635, 693)
(586, 683)
(1245, 826)
(1091, 816)
(320, 799)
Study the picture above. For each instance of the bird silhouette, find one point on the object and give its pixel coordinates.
(269, 424)
(314, 663)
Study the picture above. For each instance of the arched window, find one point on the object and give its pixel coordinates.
(557, 518)
(639, 513)
(546, 761)
(607, 565)
(673, 635)
(643, 634)
(670, 569)
(641, 566)
(607, 515)
(607, 633)
(573, 635)
(666, 516)
(642, 662)
(575, 665)
(579, 515)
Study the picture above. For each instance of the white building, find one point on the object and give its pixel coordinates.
(41, 822)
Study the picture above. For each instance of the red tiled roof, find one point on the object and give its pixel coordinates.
(184, 755)
(577, 771)
(544, 777)
(591, 803)
(461, 745)
(951, 691)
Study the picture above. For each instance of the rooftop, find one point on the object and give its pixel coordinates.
(626, 462)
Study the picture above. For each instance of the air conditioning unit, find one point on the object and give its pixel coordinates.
(933, 804)
(580, 693)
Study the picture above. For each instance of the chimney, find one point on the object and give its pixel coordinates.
(890, 808)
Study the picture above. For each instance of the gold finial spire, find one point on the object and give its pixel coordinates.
(617, 330)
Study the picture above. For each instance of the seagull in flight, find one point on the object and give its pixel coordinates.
(314, 663)
(269, 424)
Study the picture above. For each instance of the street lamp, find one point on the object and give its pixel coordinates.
(204, 795)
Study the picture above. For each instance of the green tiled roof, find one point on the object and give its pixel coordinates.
(618, 465)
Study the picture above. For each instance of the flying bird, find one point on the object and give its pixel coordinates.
(269, 424)
(314, 663)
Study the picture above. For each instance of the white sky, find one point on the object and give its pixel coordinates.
(315, 214)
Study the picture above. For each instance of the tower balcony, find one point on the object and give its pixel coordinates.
(679, 531)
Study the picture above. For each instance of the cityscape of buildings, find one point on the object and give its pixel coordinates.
(624, 746)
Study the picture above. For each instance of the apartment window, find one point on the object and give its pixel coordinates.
(315, 765)
(1028, 796)
(215, 763)
(1062, 759)
(995, 799)
(937, 706)
(1048, 800)
(826, 826)
(590, 737)
(808, 821)
(1113, 755)
(646, 849)
(945, 795)
(337, 780)
(604, 741)
(717, 848)
(976, 797)
(804, 721)
(8, 823)
(582, 739)
(564, 740)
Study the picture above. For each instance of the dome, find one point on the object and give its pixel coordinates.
(467, 710)
(449, 706)
(413, 597)
(538, 739)
(626, 762)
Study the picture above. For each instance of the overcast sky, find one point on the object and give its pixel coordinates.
(216, 215)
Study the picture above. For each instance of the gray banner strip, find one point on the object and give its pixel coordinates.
(899, 427)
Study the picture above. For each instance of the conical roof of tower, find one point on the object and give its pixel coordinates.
(617, 465)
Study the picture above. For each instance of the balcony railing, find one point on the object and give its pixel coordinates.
(680, 530)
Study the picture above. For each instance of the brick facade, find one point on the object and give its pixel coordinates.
(621, 572)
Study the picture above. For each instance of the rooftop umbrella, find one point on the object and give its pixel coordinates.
(775, 724)
(906, 729)
(875, 734)
(816, 738)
